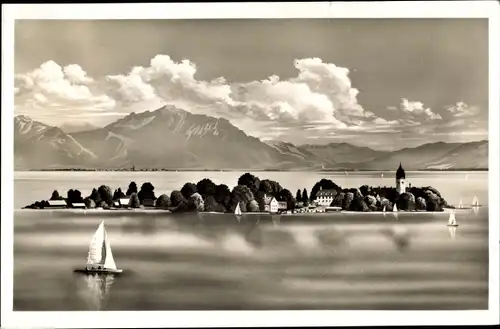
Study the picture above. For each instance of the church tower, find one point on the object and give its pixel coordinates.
(400, 180)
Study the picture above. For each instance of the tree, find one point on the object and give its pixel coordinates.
(371, 202)
(188, 189)
(253, 206)
(240, 194)
(89, 203)
(206, 187)
(405, 202)
(212, 205)
(338, 201)
(324, 184)
(286, 196)
(223, 195)
(132, 188)
(106, 194)
(163, 202)
(365, 190)
(358, 203)
(298, 196)
(385, 203)
(305, 198)
(118, 194)
(55, 196)
(270, 187)
(177, 198)
(134, 201)
(420, 203)
(250, 181)
(74, 196)
(146, 192)
(195, 202)
(95, 196)
(349, 197)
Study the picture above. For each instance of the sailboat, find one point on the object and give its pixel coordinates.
(460, 205)
(100, 258)
(452, 220)
(395, 209)
(466, 177)
(475, 202)
(238, 212)
(382, 175)
(384, 209)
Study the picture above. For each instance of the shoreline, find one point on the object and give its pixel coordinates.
(162, 211)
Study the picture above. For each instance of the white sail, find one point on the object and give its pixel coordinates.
(100, 249)
(394, 208)
(96, 252)
(452, 220)
(237, 211)
(109, 261)
(475, 201)
(384, 209)
(460, 205)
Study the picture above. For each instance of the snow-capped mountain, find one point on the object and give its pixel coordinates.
(37, 145)
(173, 138)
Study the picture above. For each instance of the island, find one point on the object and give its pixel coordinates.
(253, 195)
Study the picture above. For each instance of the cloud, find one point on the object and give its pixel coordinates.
(51, 89)
(319, 101)
(461, 109)
(416, 112)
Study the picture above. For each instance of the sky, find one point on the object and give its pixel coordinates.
(381, 83)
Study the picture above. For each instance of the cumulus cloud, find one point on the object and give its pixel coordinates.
(319, 101)
(416, 110)
(461, 109)
(50, 89)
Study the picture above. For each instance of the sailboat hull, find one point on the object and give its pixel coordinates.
(454, 225)
(100, 271)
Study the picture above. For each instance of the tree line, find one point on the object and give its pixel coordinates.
(250, 193)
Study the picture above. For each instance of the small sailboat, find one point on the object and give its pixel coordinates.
(452, 220)
(395, 209)
(383, 210)
(238, 212)
(100, 258)
(475, 202)
(466, 177)
(382, 175)
(460, 205)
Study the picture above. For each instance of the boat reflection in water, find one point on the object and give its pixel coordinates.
(94, 289)
(453, 232)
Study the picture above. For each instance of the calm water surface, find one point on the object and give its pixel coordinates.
(214, 262)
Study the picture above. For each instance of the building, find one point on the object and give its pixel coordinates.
(401, 180)
(270, 204)
(124, 202)
(78, 205)
(57, 204)
(325, 197)
(282, 205)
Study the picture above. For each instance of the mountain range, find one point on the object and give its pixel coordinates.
(173, 138)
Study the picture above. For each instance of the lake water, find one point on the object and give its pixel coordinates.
(213, 262)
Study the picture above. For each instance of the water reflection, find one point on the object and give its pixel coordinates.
(94, 289)
(400, 237)
(276, 220)
(475, 210)
(453, 232)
